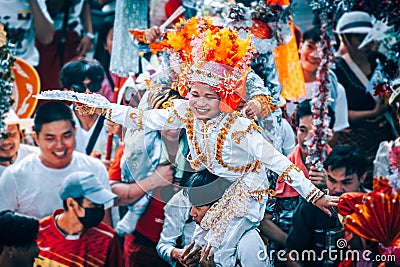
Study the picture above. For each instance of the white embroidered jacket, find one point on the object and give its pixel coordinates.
(230, 145)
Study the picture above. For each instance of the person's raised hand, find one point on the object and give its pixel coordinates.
(252, 109)
(163, 175)
(318, 177)
(153, 34)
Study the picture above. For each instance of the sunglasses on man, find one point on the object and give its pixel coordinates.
(93, 87)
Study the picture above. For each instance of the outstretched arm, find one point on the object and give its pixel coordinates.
(263, 151)
(44, 29)
(153, 119)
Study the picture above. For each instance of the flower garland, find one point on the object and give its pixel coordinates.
(325, 10)
(6, 82)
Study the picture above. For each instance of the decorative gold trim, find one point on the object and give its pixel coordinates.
(257, 195)
(285, 175)
(312, 192)
(140, 121)
(221, 136)
(239, 135)
(137, 118)
(235, 203)
(110, 114)
(317, 196)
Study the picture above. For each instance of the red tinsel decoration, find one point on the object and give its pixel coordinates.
(325, 10)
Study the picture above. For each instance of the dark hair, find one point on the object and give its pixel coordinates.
(50, 112)
(313, 35)
(205, 188)
(17, 230)
(78, 199)
(304, 109)
(75, 72)
(349, 157)
(100, 53)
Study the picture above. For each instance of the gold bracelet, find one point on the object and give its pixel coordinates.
(311, 194)
(318, 196)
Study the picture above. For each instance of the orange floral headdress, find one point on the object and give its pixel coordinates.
(178, 40)
(220, 58)
(210, 55)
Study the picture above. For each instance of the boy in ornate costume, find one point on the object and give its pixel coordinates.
(213, 76)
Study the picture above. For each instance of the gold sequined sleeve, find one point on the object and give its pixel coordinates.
(260, 149)
(153, 119)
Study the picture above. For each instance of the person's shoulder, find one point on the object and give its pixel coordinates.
(104, 230)
(45, 222)
(83, 158)
(241, 123)
(84, 162)
(22, 166)
(28, 148)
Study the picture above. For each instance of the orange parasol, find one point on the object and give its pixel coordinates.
(27, 84)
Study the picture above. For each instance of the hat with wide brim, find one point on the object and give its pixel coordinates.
(357, 22)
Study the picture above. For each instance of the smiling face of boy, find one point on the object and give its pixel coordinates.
(204, 102)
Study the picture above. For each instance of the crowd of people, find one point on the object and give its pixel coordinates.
(202, 164)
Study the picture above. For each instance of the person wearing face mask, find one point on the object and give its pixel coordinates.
(76, 235)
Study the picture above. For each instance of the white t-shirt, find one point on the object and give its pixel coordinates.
(23, 151)
(83, 137)
(30, 187)
(338, 103)
(74, 18)
(18, 21)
